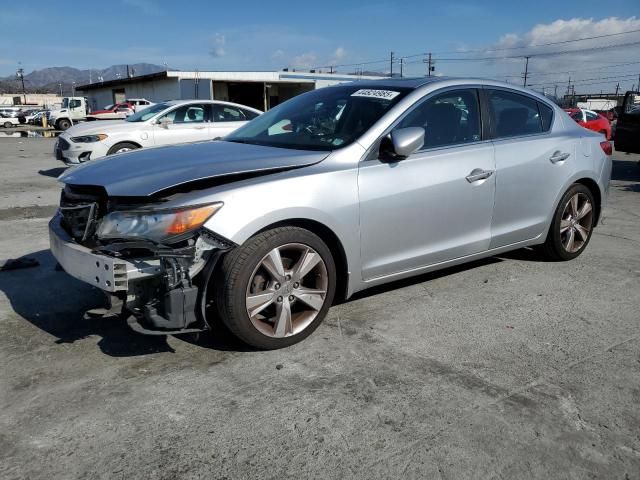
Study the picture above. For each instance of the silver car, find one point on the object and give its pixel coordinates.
(330, 193)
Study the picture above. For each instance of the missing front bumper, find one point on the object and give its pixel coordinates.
(107, 273)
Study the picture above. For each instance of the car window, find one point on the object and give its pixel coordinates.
(448, 119)
(249, 114)
(74, 104)
(514, 114)
(577, 116)
(591, 116)
(187, 114)
(546, 113)
(226, 113)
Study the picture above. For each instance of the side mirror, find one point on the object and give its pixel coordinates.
(401, 143)
(164, 122)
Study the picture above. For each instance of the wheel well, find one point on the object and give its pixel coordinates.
(113, 147)
(595, 191)
(334, 244)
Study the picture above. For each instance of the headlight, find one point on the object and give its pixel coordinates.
(156, 225)
(89, 138)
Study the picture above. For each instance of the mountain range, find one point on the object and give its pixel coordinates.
(48, 80)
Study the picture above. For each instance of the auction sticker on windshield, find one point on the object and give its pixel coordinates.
(372, 93)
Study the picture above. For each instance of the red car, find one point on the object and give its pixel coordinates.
(591, 120)
(116, 112)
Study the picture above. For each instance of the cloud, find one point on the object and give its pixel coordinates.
(219, 42)
(305, 60)
(338, 56)
(586, 62)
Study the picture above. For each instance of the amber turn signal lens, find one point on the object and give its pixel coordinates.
(187, 220)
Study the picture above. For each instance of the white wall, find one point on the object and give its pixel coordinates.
(156, 90)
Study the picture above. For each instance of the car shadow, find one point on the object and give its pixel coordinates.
(56, 303)
(625, 170)
(53, 172)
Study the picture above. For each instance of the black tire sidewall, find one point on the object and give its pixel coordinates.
(64, 125)
(554, 241)
(231, 297)
(120, 145)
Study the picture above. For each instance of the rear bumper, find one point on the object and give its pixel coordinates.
(107, 273)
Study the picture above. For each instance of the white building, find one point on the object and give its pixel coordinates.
(261, 90)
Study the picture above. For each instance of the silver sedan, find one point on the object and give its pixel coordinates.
(330, 193)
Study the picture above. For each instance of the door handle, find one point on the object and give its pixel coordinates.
(559, 156)
(478, 174)
(199, 128)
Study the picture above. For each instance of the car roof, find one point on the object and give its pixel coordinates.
(427, 82)
(220, 102)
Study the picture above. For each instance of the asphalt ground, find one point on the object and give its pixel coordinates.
(511, 367)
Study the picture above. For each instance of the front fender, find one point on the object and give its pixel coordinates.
(324, 196)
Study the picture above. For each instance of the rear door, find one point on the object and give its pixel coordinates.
(186, 123)
(627, 136)
(533, 160)
(227, 118)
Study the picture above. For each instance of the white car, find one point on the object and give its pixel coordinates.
(139, 103)
(8, 122)
(167, 123)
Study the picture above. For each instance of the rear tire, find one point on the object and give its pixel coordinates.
(8, 124)
(285, 278)
(572, 225)
(122, 148)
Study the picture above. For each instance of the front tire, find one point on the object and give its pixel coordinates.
(276, 289)
(122, 148)
(572, 224)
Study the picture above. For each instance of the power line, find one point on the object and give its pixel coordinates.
(586, 80)
(542, 44)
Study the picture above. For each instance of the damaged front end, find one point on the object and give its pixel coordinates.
(153, 261)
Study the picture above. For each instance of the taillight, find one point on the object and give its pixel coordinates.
(606, 148)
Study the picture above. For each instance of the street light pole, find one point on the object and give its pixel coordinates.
(20, 75)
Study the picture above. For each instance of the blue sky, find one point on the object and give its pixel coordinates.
(262, 35)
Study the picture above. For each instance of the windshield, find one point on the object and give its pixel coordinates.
(324, 119)
(147, 113)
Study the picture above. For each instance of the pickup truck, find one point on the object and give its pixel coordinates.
(627, 137)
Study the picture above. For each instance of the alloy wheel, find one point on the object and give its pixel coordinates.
(287, 290)
(576, 222)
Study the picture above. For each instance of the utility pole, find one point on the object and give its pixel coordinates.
(391, 65)
(526, 71)
(569, 86)
(555, 91)
(429, 63)
(617, 89)
(330, 69)
(20, 75)
(401, 66)
(60, 85)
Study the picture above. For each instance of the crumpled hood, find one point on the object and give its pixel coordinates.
(149, 171)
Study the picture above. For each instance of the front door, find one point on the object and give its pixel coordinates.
(627, 137)
(184, 124)
(435, 205)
